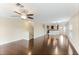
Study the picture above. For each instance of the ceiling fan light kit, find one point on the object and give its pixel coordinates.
(23, 17)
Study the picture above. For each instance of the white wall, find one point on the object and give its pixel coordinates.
(12, 30)
(75, 31)
(28, 25)
(39, 30)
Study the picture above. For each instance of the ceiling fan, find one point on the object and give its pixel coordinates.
(23, 13)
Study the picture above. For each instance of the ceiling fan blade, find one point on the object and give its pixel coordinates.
(18, 4)
(30, 14)
(17, 12)
(30, 17)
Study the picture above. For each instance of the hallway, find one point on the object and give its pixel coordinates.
(39, 29)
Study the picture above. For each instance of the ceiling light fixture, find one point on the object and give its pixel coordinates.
(23, 16)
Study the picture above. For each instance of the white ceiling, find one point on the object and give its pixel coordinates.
(43, 12)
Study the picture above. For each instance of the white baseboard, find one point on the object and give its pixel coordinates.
(6, 42)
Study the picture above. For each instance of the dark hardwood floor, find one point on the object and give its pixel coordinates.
(39, 46)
